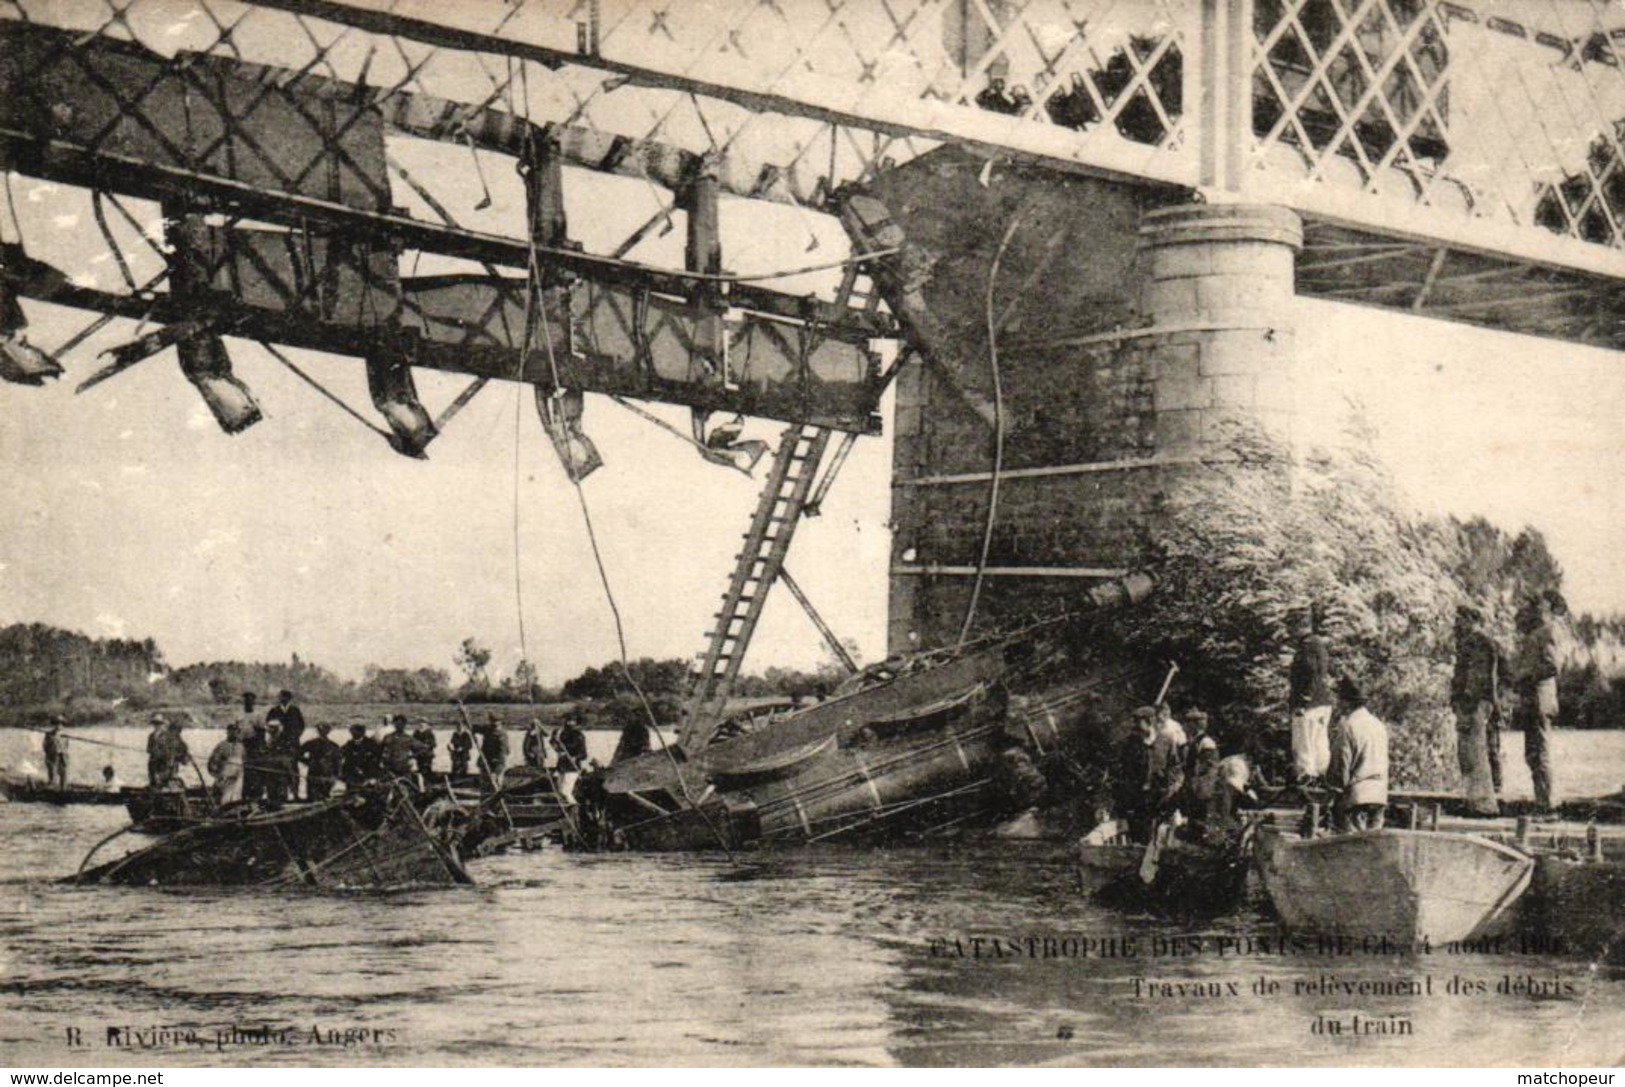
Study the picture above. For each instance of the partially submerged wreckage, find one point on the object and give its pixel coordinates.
(949, 738)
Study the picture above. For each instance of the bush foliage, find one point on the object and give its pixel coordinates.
(1254, 538)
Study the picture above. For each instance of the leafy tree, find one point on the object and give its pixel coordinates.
(472, 657)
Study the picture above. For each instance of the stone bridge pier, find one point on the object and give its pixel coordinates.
(1135, 334)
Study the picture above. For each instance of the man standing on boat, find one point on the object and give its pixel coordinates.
(1537, 691)
(1475, 695)
(423, 739)
(323, 760)
(1309, 698)
(571, 744)
(362, 759)
(461, 747)
(226, 766)
(157, 744)
(56, 755)
(291, 717)
(400, 750)
(251, 731)
(280, 766)
(493, 750)
(1358, 769)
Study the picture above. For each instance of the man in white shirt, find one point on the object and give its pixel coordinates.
(1359, 762)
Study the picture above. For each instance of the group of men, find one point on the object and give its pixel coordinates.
(260, 759)
(1482, 682)
(1172, 774)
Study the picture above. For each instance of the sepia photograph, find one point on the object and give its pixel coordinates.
(807, 533)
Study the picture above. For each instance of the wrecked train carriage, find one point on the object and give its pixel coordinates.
(922, 743)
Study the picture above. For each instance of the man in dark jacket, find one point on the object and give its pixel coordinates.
(1309, 698)
(423, 738)
(323, 761)
(1475, 696)
(362, 759)
(493, 750)
(571, 743)
(400, 750)
(1537, 691)
(461, 747)
(291, 718)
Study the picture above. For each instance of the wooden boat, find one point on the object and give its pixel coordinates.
(159, 811)
(384, 837)
(917, 745)
(1182, 879)
(23, 790)
(1407, 886)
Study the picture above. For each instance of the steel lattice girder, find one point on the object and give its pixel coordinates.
(305, 151)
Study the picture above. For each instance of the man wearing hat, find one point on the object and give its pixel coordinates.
(361, 759)
(1475, 696)
(291, 718)
(424, 741)
(1149, 775)
(1309, 698)
(400, 750)
(323, 759)
(157, 747)
(226, 766)
(56, 754)
(1359, 762)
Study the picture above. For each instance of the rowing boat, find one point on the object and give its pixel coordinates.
(1405, 886)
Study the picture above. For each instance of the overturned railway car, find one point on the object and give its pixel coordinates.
(925, 743)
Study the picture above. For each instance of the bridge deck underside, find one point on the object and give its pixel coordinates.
(1344, 264)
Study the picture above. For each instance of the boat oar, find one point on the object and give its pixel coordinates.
(496, 785)
(1161, 835)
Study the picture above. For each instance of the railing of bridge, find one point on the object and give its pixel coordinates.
(1504, 117)
(1497, 124)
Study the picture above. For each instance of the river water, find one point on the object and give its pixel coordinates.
(815, 956)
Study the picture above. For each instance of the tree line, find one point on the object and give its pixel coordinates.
(45, 668)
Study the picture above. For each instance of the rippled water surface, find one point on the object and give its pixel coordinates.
(828, 956)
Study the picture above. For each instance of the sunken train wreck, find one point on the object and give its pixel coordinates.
(947, 739)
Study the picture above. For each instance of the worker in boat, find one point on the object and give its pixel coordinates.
(291, 717)
(1358, 769)
(361, 760)
(423, 738)
(1309, 698)
(1475, 696)
(157, 743)
(1149, 776)
(1537, 690)
(1170, 729)
(461, 748)
(571, 744)
(400, 750)
(225, 765)
(279, 766)
(251, 730)
(323, 761)
(1199, 742)
(56, 754)
(634, 741)
(493, 750)
(166, 754)
(1224, 792)
(535, 747)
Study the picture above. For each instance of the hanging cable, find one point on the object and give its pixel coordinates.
(319, 387)
(620, 628)
(998, 427)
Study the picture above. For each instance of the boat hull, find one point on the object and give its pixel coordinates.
(1406, 887)
(378, 839)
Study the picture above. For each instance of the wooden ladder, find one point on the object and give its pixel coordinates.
(756, 568)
